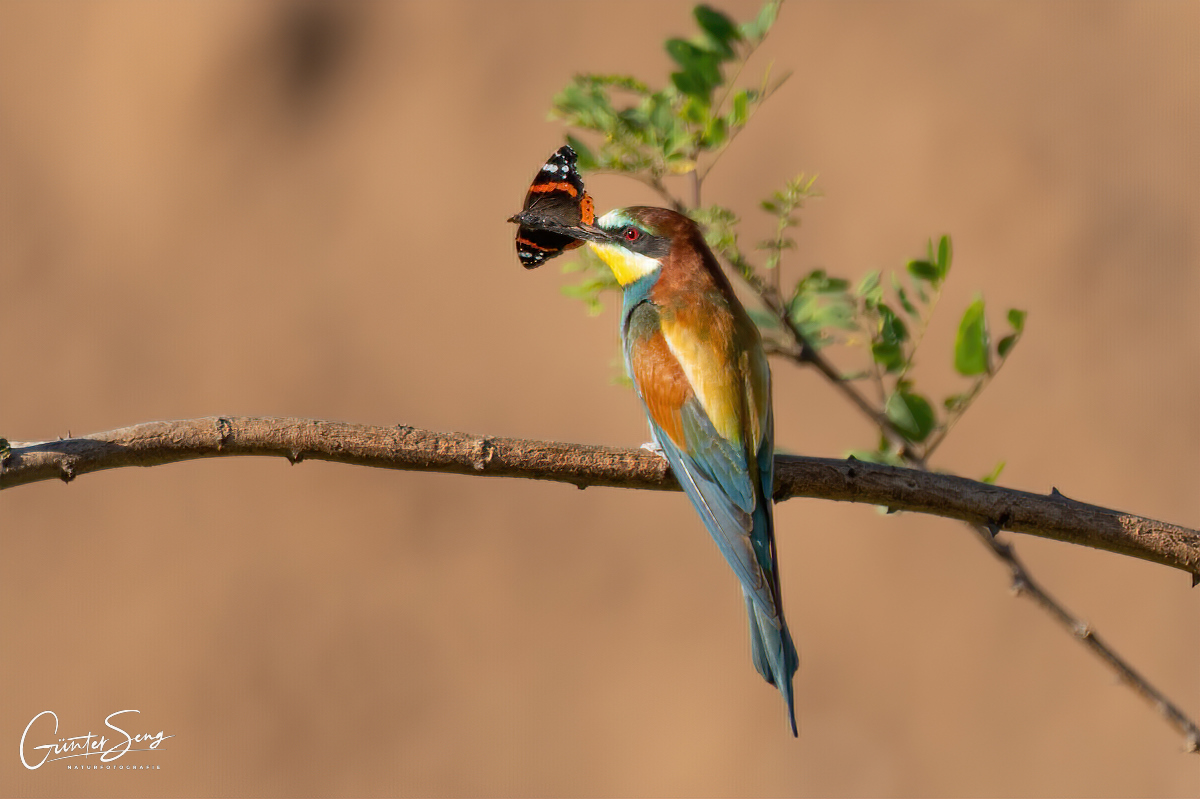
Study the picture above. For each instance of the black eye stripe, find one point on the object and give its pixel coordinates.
(641, 241)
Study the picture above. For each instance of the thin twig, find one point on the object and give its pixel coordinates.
(1022, 583)
(660, 188)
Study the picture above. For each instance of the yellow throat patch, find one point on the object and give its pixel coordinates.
(627, 266)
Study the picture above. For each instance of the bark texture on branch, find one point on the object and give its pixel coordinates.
(401, 447)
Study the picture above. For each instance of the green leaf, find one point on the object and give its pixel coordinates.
(741, 108)
(888, 355)
(719, 29)
(635, 121)
(764, 320)
(924, 270)
(660, 114)
(678, 142)
(835, 313)
(891, 327)
(1016, 319)
(911, 414)
(683, 53)
(1005, 346)
(905, 303)
(757, 30)
(687, 83)
(869, 289)
(584, 103)
(954, 402)
(820, 303)
(991, 477)
(701, 71)
(944, 255)
(971, 343)
(716, 133)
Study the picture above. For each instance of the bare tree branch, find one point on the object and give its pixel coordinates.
(985, 507)
(1023, 583)
(154, 443)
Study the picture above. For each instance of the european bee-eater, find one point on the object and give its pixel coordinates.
(698, 365)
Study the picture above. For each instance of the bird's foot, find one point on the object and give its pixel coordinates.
(652, 446)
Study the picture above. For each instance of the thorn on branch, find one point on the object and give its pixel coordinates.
(295, 456)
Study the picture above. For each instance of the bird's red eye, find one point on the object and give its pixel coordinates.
(632, 234)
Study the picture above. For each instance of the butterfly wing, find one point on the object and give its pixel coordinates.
(556, 198)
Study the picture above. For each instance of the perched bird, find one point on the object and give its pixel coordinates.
(698, 365)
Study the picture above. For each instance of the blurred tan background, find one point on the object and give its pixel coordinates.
(282, 208)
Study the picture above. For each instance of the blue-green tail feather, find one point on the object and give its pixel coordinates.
(774, 654)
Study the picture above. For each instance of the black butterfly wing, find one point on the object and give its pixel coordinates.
(556, 198)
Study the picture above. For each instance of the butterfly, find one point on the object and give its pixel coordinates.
(556, 199)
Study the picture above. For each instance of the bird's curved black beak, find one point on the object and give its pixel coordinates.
(582, 232)
(588, 233)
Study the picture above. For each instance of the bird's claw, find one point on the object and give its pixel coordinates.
(652, 446)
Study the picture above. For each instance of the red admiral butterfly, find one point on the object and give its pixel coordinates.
(555, 200)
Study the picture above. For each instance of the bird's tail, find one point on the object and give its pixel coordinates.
(774, 653)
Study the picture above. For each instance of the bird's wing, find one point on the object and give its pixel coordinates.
(681, 396)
